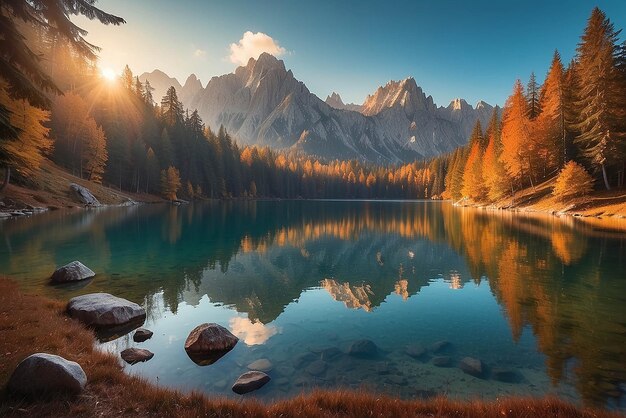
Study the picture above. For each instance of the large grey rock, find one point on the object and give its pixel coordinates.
(208, 342)
(363, 348)
(415, 351)
(261, 364)
(84, 195)
(47, 373)
(104, 310)
(72, 272)
(250, 381)
(472, 366)
(136, 355)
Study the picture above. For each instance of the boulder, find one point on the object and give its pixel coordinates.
(84, 195)
(142, 335)
(250, 381)
(47, 373)
(207, 343)
(442, 361)
(261, 364)
(104, 310)
(472, 366)
(363, 348)
(136, 355)
(72, 272)
(415, 351)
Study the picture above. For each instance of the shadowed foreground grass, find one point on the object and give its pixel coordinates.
(31, 323)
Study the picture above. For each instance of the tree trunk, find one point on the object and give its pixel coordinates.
(606, 180)
(7, 177)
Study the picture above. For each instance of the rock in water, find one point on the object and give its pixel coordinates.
(207, 343)
(72, 272)
(142, 335)
(250, 381)
(104, 310)
(316, 368)
(262, 364)
(440, 346)
(472, 366)
(442, 361)
(84, 195)
(506, 375)
(415, 351)
(136, 355)
(43, 372)
(363, 348)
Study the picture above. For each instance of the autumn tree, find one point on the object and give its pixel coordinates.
(572, 181)
(516, 141)
(550, 129)
(170, 183)
(532, 97)
(601, 97)
(25, 152)
(496, 178)
(473, 180)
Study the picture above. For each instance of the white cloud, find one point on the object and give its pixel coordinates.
(252, 333)
(199, 53)
(251, 45)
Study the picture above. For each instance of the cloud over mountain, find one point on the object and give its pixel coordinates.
(251, 45)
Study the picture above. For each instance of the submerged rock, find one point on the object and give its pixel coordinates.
(249, 382)
(330, 354)
(442, 361)
(136, 355)
(317, 368)
(472, 366)
(84, 195)
(41, 372)
(440, 346)
(363, 348)
(415, 350)
(506, 375)
(103, 310)
(262, 364)
(208, 342)
(303, 359)
(72, 272)
(142, 335)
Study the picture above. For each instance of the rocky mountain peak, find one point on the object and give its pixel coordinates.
(404, 93)
(334, 100)
(460, 104)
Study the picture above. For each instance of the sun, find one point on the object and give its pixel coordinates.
(108, 73)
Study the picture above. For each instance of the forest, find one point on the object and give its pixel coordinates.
(571, 128)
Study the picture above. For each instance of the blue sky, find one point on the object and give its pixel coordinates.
(469, 49)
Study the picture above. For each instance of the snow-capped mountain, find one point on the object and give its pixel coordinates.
(262, 103)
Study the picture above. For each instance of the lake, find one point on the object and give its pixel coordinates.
(540, 300)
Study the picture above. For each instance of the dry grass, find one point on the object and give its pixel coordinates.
(31, 323)
(52, 190)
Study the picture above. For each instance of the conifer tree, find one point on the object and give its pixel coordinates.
(172, 112)
(496, 177)
(532, 97)
(170, 183)
(600, 96)
(473, 181)
(127, 79)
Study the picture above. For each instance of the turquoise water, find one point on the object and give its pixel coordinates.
(299, 281)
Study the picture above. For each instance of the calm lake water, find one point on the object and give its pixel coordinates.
(299, 281)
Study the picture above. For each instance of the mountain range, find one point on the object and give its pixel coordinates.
(262, 103)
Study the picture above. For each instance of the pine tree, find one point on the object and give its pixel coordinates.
(127, 79)
(572, 181)
(600, 96)
(147, 93)
(172, 112)
(532, 97)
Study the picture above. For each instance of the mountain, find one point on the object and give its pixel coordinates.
(262, 103)
(334, 100)
(189, 90)
(160, 82)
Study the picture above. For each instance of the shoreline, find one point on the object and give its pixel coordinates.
(31, 323)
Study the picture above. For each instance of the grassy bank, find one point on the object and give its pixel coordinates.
(31, 323)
